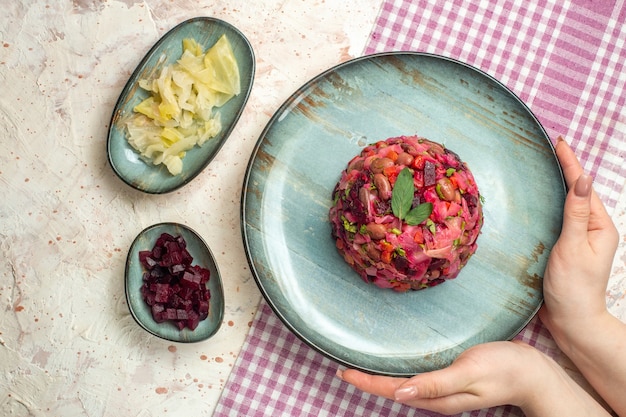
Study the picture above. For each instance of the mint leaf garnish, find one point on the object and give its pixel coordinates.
(402, 194)
(419, 214)
(402, 200)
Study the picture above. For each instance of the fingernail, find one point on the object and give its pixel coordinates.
(405, 393)
(339, 373)
(583, 185)
(560, 139)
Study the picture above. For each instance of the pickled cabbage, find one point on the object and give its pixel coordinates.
(180, 111)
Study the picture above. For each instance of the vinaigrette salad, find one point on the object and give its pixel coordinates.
(406, 213)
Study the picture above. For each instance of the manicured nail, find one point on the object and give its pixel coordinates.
(583, 185)
(405, 393)
(560, 139)
(339, 373)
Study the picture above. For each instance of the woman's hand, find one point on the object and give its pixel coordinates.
(578, 270)
(484, 376)
(575, 284)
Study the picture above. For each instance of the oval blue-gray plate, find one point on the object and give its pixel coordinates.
(297, 162)
(125, 161)
(202, 256)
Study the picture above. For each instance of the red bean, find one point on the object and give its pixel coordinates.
(383, 186)
(446, 189)
(379, 164)
(405, 159)
(376, 231)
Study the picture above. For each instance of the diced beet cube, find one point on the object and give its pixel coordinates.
(187, 258)
(162, 293)
(193, 320)
(166, 260)
(171, 246)
(157, 308)
(158, 317)
(204, 294)
(165, 237)
(203, 309)
(180, 324)
(190, 280)
(204, 273)
(156, 272)
(145, 258)
(181, 314)
(430, 175)
(150, 299)
(176, 258)
(176, 269)
(185, 293)
(157, 252)
(170, 314)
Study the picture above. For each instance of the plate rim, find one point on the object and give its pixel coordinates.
(280, 111)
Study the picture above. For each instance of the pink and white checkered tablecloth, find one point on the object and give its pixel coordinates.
(565, 59)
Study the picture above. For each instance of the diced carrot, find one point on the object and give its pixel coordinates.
(418, 162)
(419, 236)
(386, 246)
(400, 286)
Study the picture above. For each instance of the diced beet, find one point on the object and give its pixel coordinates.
(190, 280)
(165, 237)
(174, 289)
(158, 317)
(157, 252)
(193, 320)
(181, 242)
(185, 293)
(203, 308)
(430, 175)
(187, 258)
(158, 312)
(162, 293)
(150, 299)
(187, 305)
(156, 273)
(145, 257)
(174, 301)
(170, 314)
(175, 269)
(204, 273)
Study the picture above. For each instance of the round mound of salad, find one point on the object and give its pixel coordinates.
(406, 213)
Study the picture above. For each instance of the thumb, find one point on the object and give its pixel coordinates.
(577, 210)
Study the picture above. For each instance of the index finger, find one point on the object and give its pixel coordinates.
(384, 386)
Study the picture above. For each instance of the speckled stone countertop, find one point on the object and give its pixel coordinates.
(68, 344)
